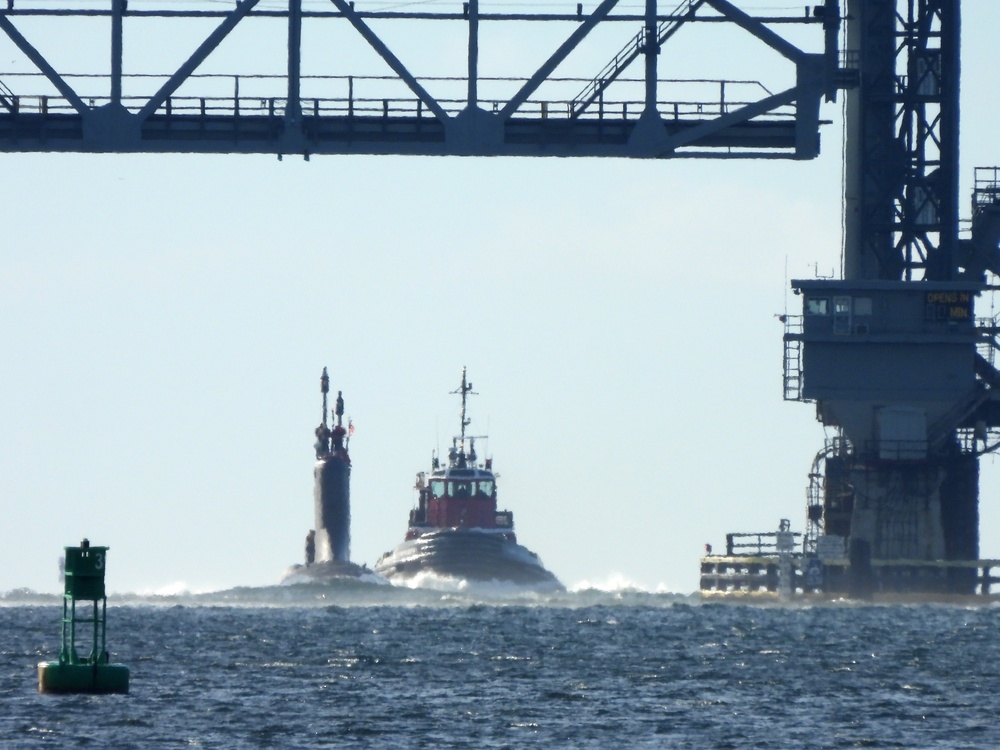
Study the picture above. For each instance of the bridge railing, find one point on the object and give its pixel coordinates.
(377, 96)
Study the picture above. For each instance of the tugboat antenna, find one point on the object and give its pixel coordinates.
(465, 390)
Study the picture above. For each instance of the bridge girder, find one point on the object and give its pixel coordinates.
(53, 109)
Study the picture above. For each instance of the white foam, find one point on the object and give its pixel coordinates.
(489, 590)
(433, 581)
(616, 583)
(370, 576)
(177, 588)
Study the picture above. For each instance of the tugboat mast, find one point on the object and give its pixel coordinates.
(465, 390)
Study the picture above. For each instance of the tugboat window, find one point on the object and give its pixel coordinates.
(437, 488)
(817, 306)
(486, 489)
(460, 489)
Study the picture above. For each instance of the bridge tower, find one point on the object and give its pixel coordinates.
(892, 354)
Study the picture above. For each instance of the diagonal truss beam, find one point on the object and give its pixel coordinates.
(721, 123)
(393, 62)
(43, 65)
(243, 8)
(610, 73)
(758, 29)
(557, 57)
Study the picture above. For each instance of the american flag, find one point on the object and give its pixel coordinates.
(350, 427)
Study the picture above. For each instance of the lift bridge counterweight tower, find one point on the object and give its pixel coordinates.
(893, 355)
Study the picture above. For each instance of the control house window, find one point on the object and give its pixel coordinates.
(841, 315)
(817, 306)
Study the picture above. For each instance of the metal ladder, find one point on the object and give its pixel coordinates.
(625, 57)
(793, 359)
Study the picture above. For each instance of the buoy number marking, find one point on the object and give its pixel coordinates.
(98, 562)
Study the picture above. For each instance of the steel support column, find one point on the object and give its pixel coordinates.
(902, 135)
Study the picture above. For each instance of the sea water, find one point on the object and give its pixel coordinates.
(372, 666)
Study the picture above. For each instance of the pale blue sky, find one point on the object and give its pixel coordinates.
(164, 321)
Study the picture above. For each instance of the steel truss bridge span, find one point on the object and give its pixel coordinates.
(618, 112)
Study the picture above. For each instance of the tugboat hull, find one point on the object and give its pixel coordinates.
(470, 556)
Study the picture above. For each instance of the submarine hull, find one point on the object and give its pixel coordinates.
(468, 555)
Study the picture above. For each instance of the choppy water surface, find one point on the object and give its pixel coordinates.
(360, 666)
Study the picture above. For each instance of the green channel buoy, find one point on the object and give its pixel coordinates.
(84, 574)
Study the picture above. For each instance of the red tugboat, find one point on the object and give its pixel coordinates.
(456, 530)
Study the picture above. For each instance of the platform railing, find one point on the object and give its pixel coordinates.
(986, 190)
(756, 543)
(755, 575)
